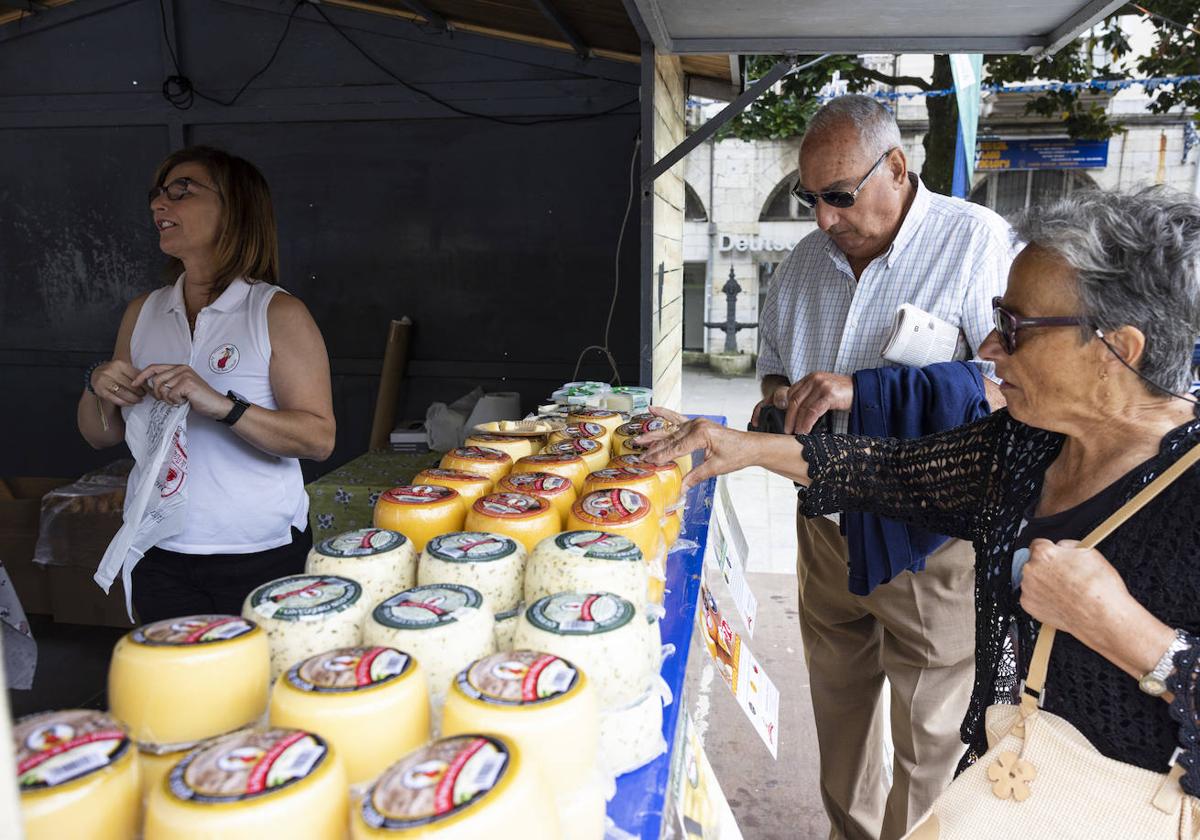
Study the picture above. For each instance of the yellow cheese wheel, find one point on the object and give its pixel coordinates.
(383, 562)
(527, 519)
(371, 703)
(256, 783)
(630, 478)
(186, 679)
(555, 489)
(494, 564)
(516, 447)
(571, 467)
(541, 702)
(583, 431)
(669, 474)
(608, 419)
(77, 772)
(619, 511)
(595, 453)
(469, 486)
(465, 787)
(420, 511)
(480, 460)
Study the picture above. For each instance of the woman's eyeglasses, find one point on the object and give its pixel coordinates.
(1008, 324)
(837, 198)
(179, 188)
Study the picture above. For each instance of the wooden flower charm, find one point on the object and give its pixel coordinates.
(1012, 775)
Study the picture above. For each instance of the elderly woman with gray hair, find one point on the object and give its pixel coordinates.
(1093, 339)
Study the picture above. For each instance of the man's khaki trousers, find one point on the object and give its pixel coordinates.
(918, 631)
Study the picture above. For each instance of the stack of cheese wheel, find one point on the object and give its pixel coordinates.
(595, 453)
(469, 486)
(628, 478)
(608, 419)
(382, 562)
(371, 703)
(620, 511)
(527, 519)
(77, 772)
(546, 706)
(669, 474)
(583, 431)
(255, 783)
(571, 467)
(479, 460)
(494, 564)
(516, 447)
(305, 615)
(420, 511)
(555, 489)
(653, 423)
(465, 787)
(590, 561)
(444, 626)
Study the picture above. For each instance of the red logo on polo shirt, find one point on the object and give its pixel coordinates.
(224, 359)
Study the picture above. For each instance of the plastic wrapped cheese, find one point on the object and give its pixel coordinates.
(465, 787)
(383, 562)
(491, 563)
(595, 453)
(258, 783)
(469, 486)
(420, 511)
(189, 678)
(555, 489)
(480, 460)
(604, 634)
(626, 512)
(444, 626)
(77, 773)
(669, 474)
(582, 431)
(588, 561)
(631, 478)
(305, 615)
(371, 703)
(506, 626)
(631, 734)
(582, 811)
(608, 419)
(571, 467)
(672, 525)
(516, 447)
(527, 519)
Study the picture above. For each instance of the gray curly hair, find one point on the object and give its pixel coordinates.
(876, 125)
(1136, 257)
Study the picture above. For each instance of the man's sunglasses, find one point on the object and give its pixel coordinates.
(1008, 324)
(179, 188)
(837, 198)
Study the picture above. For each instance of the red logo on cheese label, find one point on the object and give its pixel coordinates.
(535, 483)
(479, 453)
(418, 494)
(224, 359)
(617, 505)
(509, 504)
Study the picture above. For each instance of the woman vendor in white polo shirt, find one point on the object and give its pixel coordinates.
(250, 360)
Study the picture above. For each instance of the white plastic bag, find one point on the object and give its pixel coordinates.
(156, 497)
(445, 425)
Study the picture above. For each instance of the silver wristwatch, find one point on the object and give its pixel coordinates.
(1155, 683)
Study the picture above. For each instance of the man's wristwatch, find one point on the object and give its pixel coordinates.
(240, 404)
(1155, 682)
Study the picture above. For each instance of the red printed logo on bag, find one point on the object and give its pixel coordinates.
(224, 359)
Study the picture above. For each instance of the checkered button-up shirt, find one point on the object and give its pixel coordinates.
(949, 258)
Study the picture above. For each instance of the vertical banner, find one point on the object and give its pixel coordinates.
(732, 554)
(968, 78)
(701, 808)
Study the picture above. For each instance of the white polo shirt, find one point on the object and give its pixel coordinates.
(240, 499)
(949, 258)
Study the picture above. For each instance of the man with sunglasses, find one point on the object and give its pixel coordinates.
(884, 240)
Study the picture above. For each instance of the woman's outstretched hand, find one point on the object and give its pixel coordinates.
(725, 450)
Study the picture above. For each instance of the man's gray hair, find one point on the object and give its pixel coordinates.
(876, 125)
(1136, 257)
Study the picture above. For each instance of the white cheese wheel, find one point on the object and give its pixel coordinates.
(506, 626)
(185, 679)
(604, 634)
(466, 787)
(595, 453)
(527, 519)
(555, 489)
(608, 419)
(629, 478)
(371, 703)
(305, 615)
(515, 447)
(571, 467)
(582, 812)
(480, 460)
(257, 783)
(420, 511)
(444, 626)
(77, 772)
(587, 561)
(539, 701)
(669, 474)
(619, 511)
(494, 564)
(383, 562)
(469, 486)
(631, 735)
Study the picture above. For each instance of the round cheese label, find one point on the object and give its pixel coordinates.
(53, 748)
(435, 782)
(597, 545)
(583, 430)
(361, 543)
(247, 765)
(553, 458)
(537, 484)
(479, 453)
(433, 605)
(581, 446)
(615, 474)
(488, 437)
(580, 614)
(593, 414)
(628, 445)
(470, 547)
(451, 475)
(305, 597)
(417, 494)
(192, 630)
(617, 506)
(349, 669)
(510, 505)
(517, 678)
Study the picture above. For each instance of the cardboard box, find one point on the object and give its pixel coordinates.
(20, 509)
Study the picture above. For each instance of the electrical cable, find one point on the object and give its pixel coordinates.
(1113, 350)
(1165, 19)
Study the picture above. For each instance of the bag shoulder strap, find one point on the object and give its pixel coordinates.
(1035, 681)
